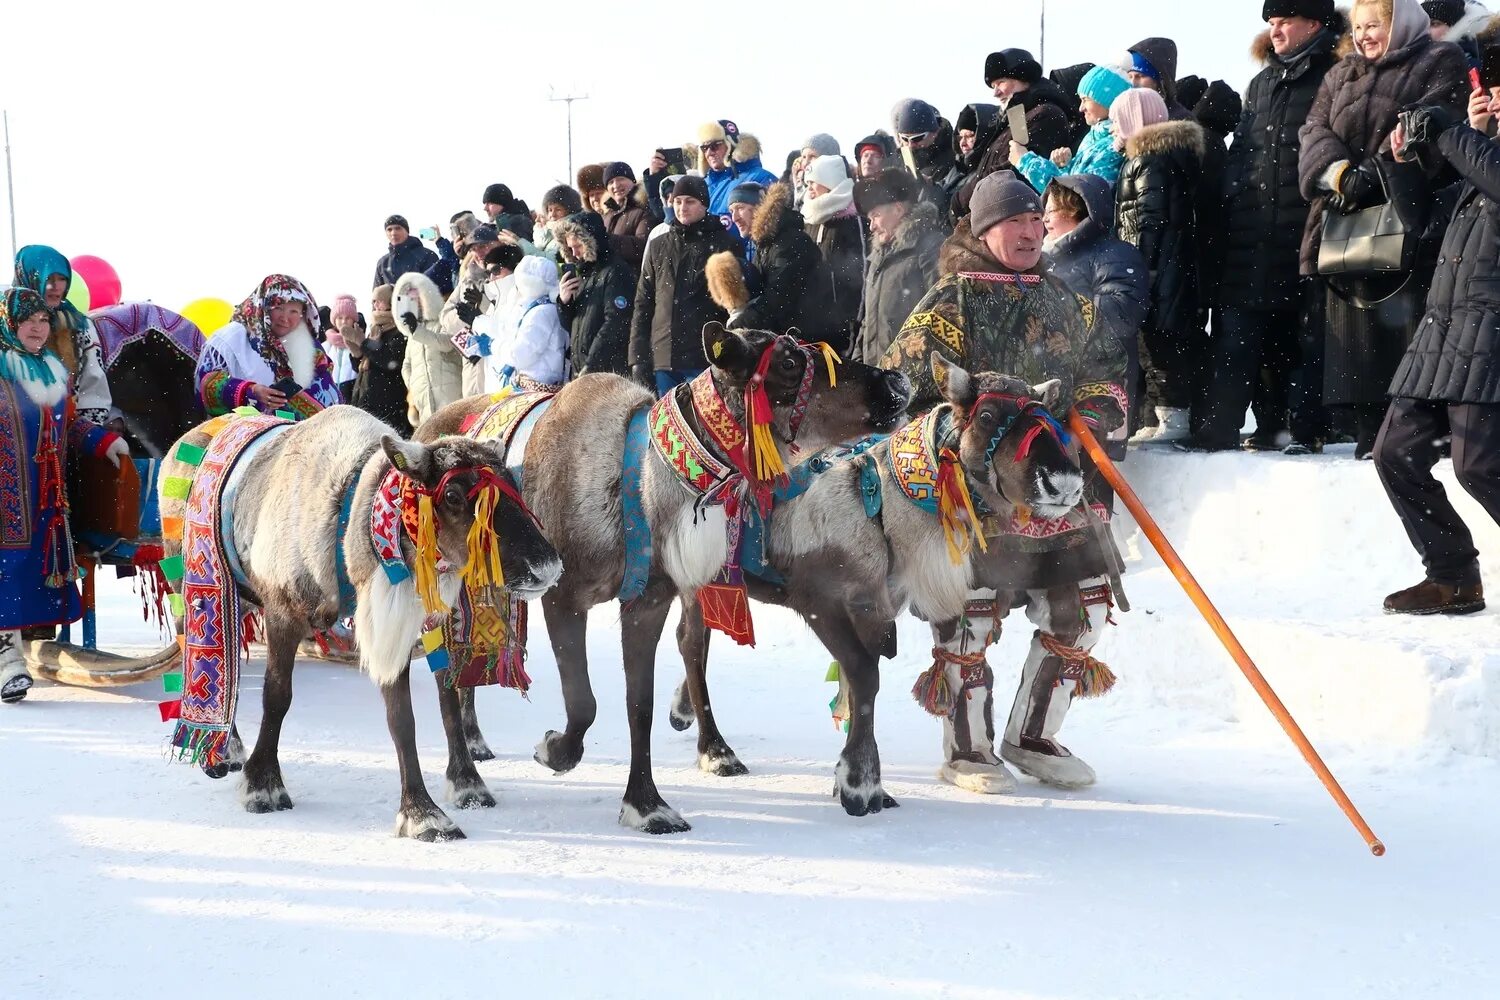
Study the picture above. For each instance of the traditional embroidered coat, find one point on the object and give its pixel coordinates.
(1033, 327)
(36, 550)
(246, 353)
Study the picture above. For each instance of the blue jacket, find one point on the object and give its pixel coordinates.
(1096, 155)
(722, 182)
(411, 255)
(444, 273)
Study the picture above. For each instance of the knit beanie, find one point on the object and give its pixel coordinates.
(1142, 65)
(1000, 196)
(1102, 85)
(691, 187)
(397, 220)
(748, 193)
(823, 144)
(565, 196)
(344, 307)
(497, 194)
(618, 169)
(911, 116)
(828, 171)
(1134, 110)
(1448, 12)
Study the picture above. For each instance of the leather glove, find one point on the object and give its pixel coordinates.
(1423, 124)
(1361, 187)
(643, 375)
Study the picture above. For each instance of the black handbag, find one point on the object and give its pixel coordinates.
(1374, 242)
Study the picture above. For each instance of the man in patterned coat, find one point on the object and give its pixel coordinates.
(996, 309)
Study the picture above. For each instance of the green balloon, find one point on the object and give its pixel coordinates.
(78, 294)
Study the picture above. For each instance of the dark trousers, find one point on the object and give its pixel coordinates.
(1253, 358)
(1172, 363)
(1410, 443)
(1309, 420)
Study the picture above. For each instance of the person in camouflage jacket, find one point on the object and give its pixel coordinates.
(996, 309)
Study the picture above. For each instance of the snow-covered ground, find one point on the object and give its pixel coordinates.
(1207, 862)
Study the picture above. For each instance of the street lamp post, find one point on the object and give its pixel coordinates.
(569, 99)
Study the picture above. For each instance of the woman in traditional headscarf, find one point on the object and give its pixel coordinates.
(48, 273)
(37, 426)
(267, 357)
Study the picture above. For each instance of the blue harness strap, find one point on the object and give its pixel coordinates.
(637, 531)
(340, 563)
(515, 451)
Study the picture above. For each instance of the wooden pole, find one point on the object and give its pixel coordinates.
(1221, 628)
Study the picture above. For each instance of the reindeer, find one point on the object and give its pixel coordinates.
(849, 575)
(574, 465)
(284, 520)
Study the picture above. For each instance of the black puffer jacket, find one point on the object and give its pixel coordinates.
(409, 256)
(1154, 211)
(897, 275)
(598, 318)
(796, 286)
(1454, 355)
(1354, 114)
(1046, 121)
(672, 303)
(1264, 209)
(1218, 111)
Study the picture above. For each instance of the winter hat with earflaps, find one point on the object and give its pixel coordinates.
(1134, 110)
(1102, 85)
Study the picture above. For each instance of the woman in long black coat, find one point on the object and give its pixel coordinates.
(379, 388)
(1369, 323)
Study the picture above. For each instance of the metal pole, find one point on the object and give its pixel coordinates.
(1041, 56)
(10, 188)
(568, 99)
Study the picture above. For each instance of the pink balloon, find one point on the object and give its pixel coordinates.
(103, 282)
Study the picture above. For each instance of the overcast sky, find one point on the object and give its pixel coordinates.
(199, 147)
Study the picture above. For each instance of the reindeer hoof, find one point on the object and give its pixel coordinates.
(478, 748)
(429, 827)
(217, 771)
(681, 713)
(272, 798)
(469, 795)
(681, 723)
(721, 762)
(558, 752)
(858, 794)
(662, 819)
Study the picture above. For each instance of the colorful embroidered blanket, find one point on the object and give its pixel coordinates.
(210, 597)
(119, 326)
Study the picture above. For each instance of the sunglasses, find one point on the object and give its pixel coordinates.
(709, 147)
(912, 138)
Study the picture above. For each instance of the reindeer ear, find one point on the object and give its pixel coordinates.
(956, 385)
(1048, 392)
(409, 458)
(727, 350)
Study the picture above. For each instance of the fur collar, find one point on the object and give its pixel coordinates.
(1165, 138)
(1261, 51)
(818, 211)
(963, 251)
(774, 214)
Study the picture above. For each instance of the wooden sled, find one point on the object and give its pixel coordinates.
(65, 663)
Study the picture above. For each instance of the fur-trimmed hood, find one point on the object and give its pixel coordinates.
(635, 199)
(963, 251)
(415, 301)
(591, 232)
(1166, 138)
(774, 215)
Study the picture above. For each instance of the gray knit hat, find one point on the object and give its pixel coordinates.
(823, 144)
(998, 197)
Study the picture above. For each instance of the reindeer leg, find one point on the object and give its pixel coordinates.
(465, 788)
(714, 754)
(855, 644)
(641, 625)
(478, 748)
(568, 628)
(419, 816)
(263, 790)
(234, 758)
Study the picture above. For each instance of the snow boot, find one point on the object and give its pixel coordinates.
(15, 679)
(1173, 424)
(1432, 598)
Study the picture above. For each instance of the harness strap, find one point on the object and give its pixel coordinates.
(347, 593)
(633, 510)
(231, 487)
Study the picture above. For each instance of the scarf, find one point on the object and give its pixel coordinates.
(255, 315)
(41, 368)
(34, 265)
(830, 205)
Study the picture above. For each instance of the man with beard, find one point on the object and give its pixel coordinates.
(997, 308)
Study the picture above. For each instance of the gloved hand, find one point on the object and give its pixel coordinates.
(1359, 187)
(1421, 126)
(117, 451)
(643, 375)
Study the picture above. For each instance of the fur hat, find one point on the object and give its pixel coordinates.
(1102, 85)
(1134, 110)
(823, 144)
(829, 171)
(396, 220)
(689, 186)
(618, 169)
(462, 226)
(912, 116)
(565, 196)
(892, 186)
(748, 193)
(1448, 12)
(590, 178)
(722, 130)
(1011, 64)
(1000, 196)
(497, 194)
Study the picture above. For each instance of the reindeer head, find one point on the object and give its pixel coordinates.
(1012, 448)
(471, 491)
(816, 399)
